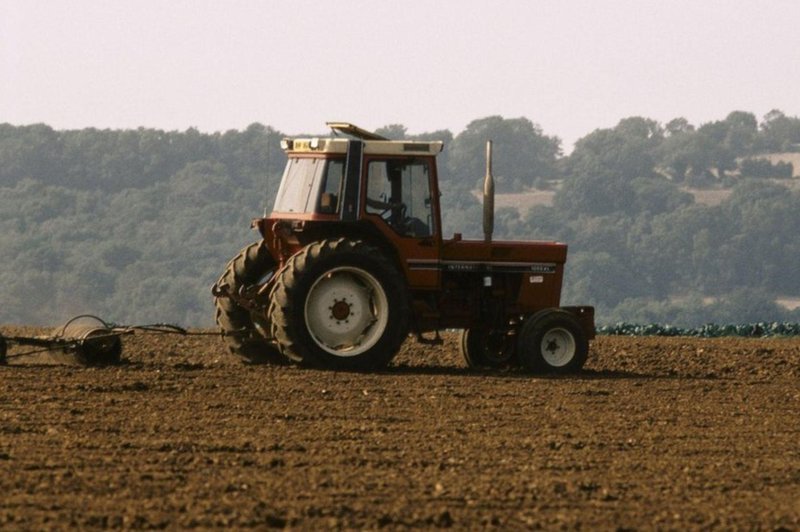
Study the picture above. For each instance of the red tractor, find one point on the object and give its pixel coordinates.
(352, 260)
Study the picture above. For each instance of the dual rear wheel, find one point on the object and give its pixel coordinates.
(336, 304)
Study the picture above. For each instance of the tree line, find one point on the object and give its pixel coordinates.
(135, 225)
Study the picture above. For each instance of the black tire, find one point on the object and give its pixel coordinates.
(3, 351)
(340, 304)
(552, 341)
(245, 332)
(482, 348)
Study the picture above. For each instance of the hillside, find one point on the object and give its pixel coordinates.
(136, 225)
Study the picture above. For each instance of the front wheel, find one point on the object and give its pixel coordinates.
(340, 304)
(553, 341)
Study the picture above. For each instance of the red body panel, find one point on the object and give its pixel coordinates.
(540, 265)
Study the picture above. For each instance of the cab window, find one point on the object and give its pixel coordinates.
(398, 190)
(331, 187)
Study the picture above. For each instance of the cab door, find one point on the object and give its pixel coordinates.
(400, 201)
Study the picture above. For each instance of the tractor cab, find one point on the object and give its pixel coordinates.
(398, 178)
(366, 186)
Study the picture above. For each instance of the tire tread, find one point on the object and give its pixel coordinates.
(235, 322)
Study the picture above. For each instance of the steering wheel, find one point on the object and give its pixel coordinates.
(394, 210)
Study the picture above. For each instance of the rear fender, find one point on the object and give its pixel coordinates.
(585, 316)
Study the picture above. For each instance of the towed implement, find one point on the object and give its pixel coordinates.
(84, 339)
(352, 259)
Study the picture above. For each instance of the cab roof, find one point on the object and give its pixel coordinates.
(373, 143)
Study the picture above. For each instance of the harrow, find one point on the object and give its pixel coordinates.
(85, 339)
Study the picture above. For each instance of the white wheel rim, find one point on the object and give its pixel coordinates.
(346, 311)
(558, 347)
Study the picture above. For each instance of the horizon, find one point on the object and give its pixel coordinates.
(322, 134)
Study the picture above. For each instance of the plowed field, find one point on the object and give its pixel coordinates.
(656, 433)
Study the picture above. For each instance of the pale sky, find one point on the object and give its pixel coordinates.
(570, 66)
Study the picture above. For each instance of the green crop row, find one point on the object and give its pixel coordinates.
(711, 330)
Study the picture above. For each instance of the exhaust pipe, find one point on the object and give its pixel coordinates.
(488, 196)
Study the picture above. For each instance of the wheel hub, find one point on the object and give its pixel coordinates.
(552, 347)
(340, 310)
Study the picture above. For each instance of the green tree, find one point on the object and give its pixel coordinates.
(741, 133)
(779, 132)
(598, 279)
(521, 153)
(393, 131)
(656, 196)
(626, 151)
(29, 152)
(595, 196)
(677, 126)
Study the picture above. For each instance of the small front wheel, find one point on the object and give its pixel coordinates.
(553, 341)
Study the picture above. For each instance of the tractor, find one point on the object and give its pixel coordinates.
(352, 261)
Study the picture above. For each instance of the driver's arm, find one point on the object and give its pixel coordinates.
(378, 204)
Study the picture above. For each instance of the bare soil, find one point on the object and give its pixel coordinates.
(657, 433)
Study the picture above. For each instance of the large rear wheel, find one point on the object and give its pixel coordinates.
(246, 330)
(553, 341)
(340, 304)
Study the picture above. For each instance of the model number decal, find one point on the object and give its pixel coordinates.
(474, 266)
(462, 267)
(543, 268)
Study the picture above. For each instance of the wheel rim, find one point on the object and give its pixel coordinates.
(558, 347)
(346, 311)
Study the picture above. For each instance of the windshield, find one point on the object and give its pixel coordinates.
(298, 180)
(310, 185)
